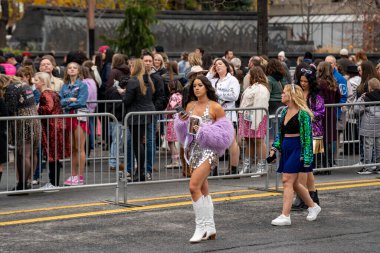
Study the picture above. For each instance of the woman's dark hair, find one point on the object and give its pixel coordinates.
(211, 94)
(109, 55)
(225, 63)
(275, 67)
(206, 61)
(311, 76)
(76, 56)
(368, 72)
(298, 73)
(175, 86)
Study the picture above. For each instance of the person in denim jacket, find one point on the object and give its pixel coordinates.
(74, 94)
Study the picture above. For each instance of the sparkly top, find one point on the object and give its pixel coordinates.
(206, 115)
(305, 136)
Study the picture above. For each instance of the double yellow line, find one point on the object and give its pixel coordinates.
(321, 187)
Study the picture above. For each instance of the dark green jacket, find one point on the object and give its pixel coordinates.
(275, 88)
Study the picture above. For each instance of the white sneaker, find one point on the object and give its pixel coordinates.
(246, 167)
(282, 220)
(313, 212)
(35, 182)
(49, 188)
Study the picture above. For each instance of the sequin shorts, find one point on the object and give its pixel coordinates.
(198, 155)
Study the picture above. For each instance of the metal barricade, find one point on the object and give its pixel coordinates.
(148, 132)
(350, 138)
(53, 144)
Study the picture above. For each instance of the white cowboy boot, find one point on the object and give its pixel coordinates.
(199, 207)
(209, 219)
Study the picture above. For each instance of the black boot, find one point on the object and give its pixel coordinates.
(214, 172)
(1, 173)
(299, 205)
(314, 196)
(232, 171)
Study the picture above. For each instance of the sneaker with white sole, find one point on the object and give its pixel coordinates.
(367, 171)
(282, 220)
(246, 167)
(313, 212)
(49, 188)
(72, 180)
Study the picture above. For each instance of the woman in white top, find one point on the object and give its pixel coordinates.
(227, 89)
(253, 123)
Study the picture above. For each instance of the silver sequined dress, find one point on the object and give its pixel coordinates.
(198, 155)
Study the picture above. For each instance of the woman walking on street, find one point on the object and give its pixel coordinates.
(204, 142)
(294, 142)
(315, 102)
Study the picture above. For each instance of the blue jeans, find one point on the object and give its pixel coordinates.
(151, 145)
(113, 151)
(91, 123)
(40, 165)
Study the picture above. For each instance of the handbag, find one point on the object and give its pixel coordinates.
(318, 147)
(83, 112)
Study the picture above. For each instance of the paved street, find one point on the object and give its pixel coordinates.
(163, 221)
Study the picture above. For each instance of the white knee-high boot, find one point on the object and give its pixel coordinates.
(209, 219)
(199, 209)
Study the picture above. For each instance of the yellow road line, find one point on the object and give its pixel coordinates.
(347, 186)
(130, 209)
(159, 206)
(53, 208)
(167, 198)
(341, 182)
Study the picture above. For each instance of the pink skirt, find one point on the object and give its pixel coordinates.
(170, 133)
(246, 131)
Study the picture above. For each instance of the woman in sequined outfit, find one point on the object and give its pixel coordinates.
(294, 142)
(213, 136)
(316, 103)
(26, 134)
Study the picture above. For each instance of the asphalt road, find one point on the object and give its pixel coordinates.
(79, 220)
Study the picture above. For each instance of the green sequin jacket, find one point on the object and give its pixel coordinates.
(306, 136)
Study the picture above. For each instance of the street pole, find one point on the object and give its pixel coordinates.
(91, 27)
(262, 27)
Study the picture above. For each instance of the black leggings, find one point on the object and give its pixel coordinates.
(138, 132)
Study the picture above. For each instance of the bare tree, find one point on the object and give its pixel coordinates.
(262, 27)
(3, 23)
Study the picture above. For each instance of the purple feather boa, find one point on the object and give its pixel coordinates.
(216, 137)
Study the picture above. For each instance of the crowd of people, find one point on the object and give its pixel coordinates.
(200, 88)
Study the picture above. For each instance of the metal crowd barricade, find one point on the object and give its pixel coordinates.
(345, 146)
(145, 134)
(23, 162)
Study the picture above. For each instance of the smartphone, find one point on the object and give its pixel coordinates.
(271, 158)
(180, 110)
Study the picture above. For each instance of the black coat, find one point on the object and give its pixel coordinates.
(135, 101)
(160, 100)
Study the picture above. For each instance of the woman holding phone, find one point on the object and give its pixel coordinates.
(212, 137)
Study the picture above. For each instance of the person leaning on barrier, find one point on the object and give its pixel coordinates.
(252, 124)
(74, 96)
(212, 137)
(138, 97)
(20, 101)
(368, 129)
(294, 142)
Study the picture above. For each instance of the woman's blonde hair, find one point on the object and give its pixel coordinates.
(45, 78)
(138, 72)
(195, 59)
(159, 56)
(295, 93)
(5, 80)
